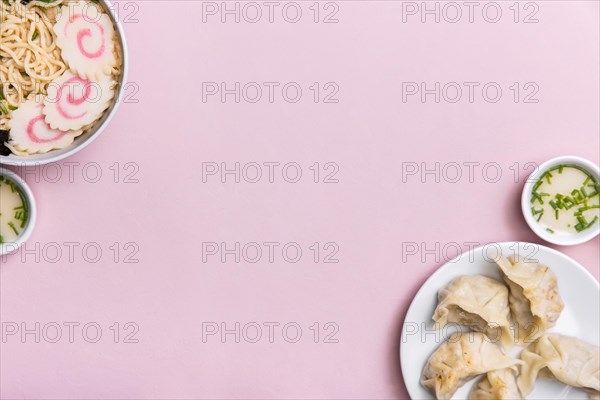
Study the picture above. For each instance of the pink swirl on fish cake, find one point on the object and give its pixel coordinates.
(31, 130)
(84, 33)
(70, 98)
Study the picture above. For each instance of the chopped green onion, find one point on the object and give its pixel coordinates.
(568, 202)
(535, 212)
(577, 196)
(540, 217)
(580, 199)
(12, 226)
(583, 224)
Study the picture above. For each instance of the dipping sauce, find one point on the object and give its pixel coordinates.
(14, 212)
(565, 199)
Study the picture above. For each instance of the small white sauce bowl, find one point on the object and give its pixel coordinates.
(7, 248)
(560, 239)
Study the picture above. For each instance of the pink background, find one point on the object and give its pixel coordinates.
(371, 213)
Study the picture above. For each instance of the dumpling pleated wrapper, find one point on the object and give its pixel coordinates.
(570, 360)
(534, 299)
(463, 356)
(30, 134)
(479, 303)
(86, 37)
(497, 385)
(74, 102)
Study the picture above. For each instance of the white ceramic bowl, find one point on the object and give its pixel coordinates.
(87, 138)
(538, 229)
(7, 248)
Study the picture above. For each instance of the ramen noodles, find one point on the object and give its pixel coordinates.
(60, 62)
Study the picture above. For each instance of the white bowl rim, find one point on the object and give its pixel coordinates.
(81, 144)
(8, 248)
(538, 229)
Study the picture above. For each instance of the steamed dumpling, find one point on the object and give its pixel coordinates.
(570, 360)
(86, 38)
(534, 299)
(479, 303)
(463, 356)
(497, 385)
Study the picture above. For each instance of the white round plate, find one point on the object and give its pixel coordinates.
(578, 288)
